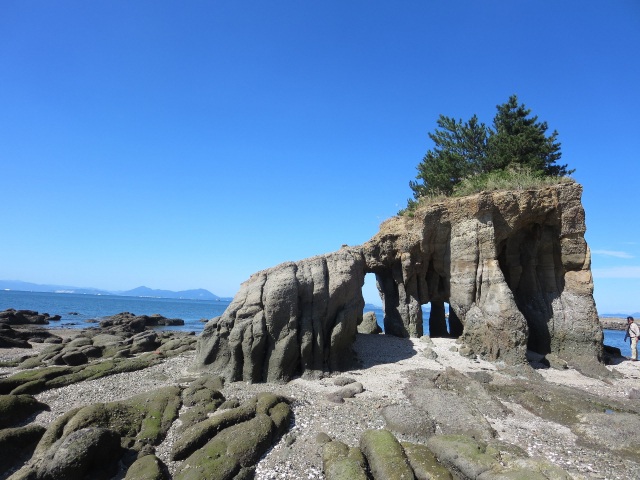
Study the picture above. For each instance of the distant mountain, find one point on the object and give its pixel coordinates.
(196, 294)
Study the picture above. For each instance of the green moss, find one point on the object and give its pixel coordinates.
(31, 362)
(39, 376)
(281, 415)
(36, 381)
(333, 451)
(463, 454)
(424, 463)
(55, 431)
(199, 434)
(385, 455)
(159, 413)
(211, 461)
(141, 420)
(148, 467)
(17, 444)
(265, 401)
(10, 363)
(345, 469)
(248, 441)
(204, 390)
(15, 409)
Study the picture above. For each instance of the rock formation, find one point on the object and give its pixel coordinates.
(513, 266)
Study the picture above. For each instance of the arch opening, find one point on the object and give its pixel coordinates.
(441, 320)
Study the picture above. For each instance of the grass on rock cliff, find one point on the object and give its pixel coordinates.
(513, 178)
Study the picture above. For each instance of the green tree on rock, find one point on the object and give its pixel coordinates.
(460, 150)
(518, 138)
(464, 150)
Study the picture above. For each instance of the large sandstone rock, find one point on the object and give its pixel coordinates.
(291, 319)
(513, 266)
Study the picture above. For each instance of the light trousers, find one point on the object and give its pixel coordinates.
(634, 348)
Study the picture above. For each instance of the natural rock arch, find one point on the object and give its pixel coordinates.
(513, 266)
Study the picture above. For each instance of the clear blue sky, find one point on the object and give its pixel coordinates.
(189, 144)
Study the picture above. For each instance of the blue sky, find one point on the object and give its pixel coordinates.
(189, 144)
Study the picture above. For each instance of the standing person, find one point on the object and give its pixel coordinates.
(633, 332)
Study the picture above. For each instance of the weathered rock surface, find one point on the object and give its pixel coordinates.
(96, 353)
(295, 318)
(584, 426)
(118, 439)
(369, 324)
(129, 322)
(14, 409)
(25, 317)
(513, 266)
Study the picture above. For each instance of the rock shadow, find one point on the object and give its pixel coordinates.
(380, 349)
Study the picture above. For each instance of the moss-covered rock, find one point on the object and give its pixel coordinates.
(86, 453)
(15, 409)
(148, 467)
(614, 431)
(140, 420)
(136, 424)
(177, 344)
(211, 461)
(203, 390)
(31, 362)
(526, 469)
(36, 381)
(35, 377)
(462, 454)
(17, 444)
(237, 447)
(228, 444)
(199, 434)
(385, 455)
(424, 463)
(558, 403)
(339, 462)
(281, 415)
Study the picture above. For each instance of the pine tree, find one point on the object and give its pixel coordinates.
(518, 138)
(465, 149)
(460, 151)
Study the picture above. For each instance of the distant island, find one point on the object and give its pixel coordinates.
(195, 294)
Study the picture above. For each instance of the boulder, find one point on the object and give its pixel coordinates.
(147, 467)
(385, 455)
(369, 324)
(15, 409)
(340, 462)
(229, 444)
(17, 444)
(24, 317)
(90, 452)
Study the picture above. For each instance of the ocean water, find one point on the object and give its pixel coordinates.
(77, 309)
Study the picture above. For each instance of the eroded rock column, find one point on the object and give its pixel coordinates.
(299, 318)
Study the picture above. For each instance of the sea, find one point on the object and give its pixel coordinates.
(83, 310)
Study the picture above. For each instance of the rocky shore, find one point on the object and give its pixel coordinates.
(407, 408)
(613, 323)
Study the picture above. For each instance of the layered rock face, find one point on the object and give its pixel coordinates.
(296, 318)
(513, 266)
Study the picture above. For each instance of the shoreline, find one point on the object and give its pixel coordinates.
(613, 323)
